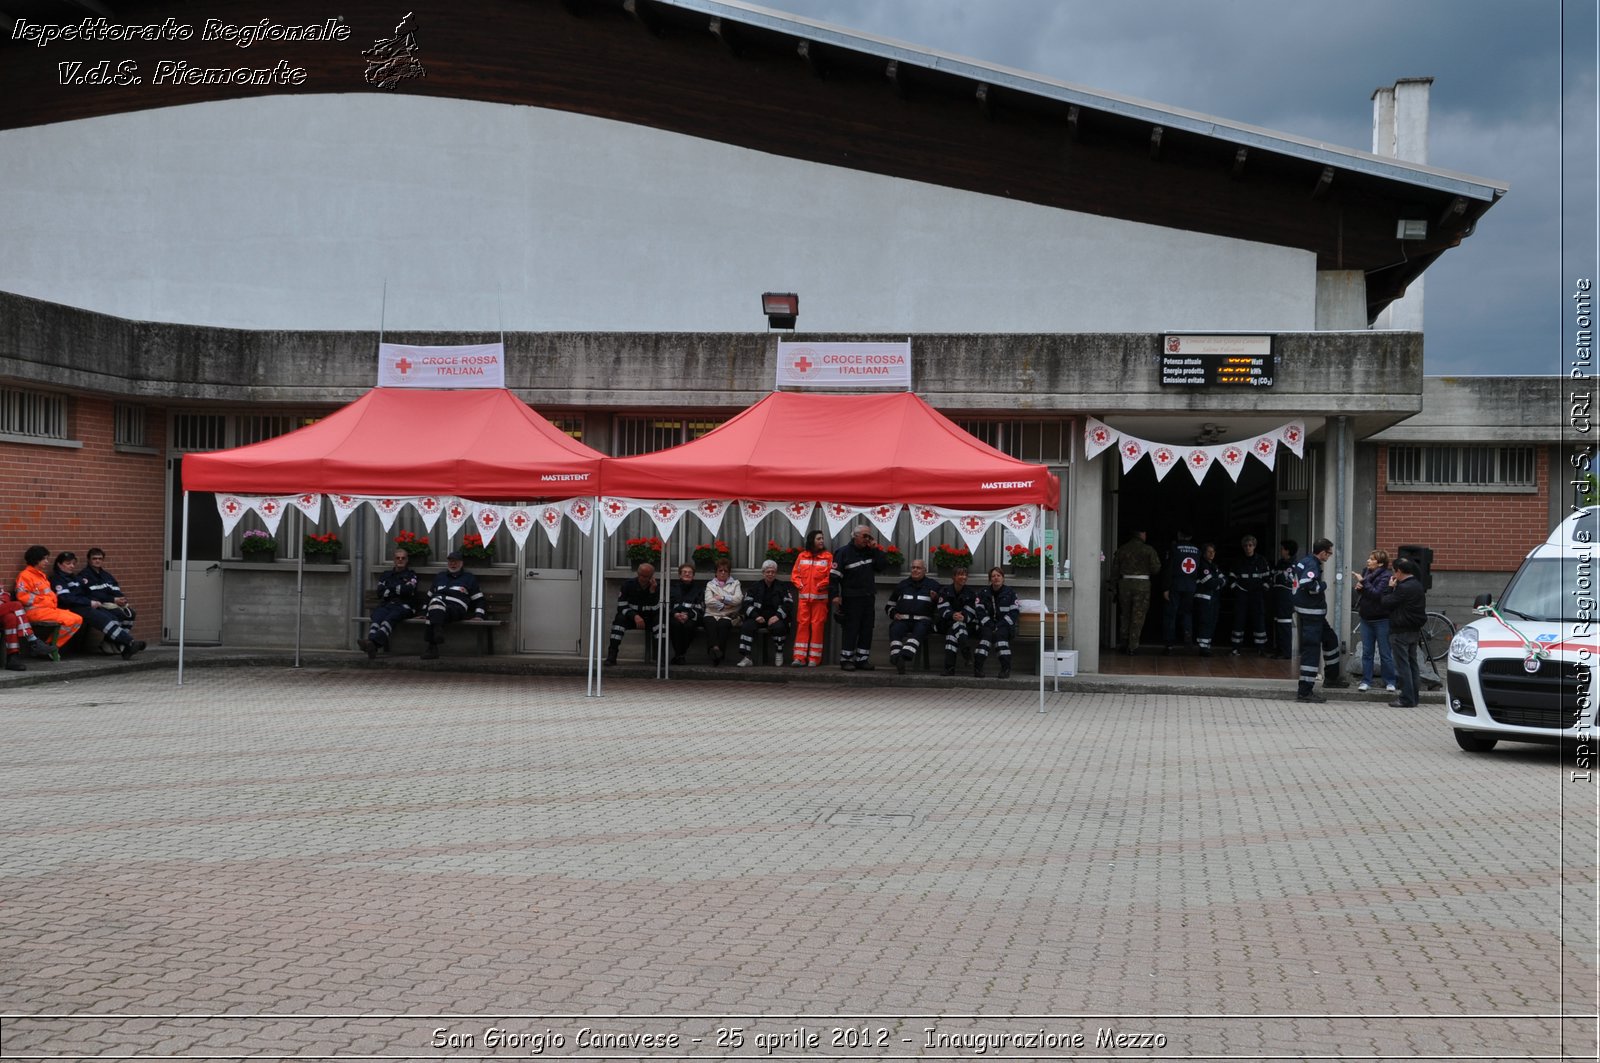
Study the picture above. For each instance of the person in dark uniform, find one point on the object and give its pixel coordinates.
(454, 596)
(1407, 605)
(912, 609)
(1182, 574)
(1248, 582)
(72, 591)
(997, 612)
(638, 608)
(768, 604)
(1132, 567)
(686, 605)
(1208, 586)
(958, 617)
(1316, 633)
(397, 601)
(106, 592)
(1281, 585)
(852, 588)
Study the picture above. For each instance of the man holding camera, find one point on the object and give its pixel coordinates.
(852, 586)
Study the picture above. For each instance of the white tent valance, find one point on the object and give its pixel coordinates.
(1099, 437)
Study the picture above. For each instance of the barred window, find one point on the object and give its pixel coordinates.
(39, 414)
(131, 424)
(645, 435)
(1043, 442)
(1463, 468)
(572, 426)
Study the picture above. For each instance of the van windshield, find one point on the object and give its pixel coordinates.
(1552, 588)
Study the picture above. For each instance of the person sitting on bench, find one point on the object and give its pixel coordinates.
(454, 596)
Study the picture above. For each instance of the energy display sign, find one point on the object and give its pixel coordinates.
(1216, 361)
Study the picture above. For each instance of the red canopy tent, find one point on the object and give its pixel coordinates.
(857, 449)
(481, 444)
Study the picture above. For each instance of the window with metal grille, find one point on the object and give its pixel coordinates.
(644, 435)
(1463, 468)
(1044, 442)
(130, 425)
(39, 414)
(571, 426)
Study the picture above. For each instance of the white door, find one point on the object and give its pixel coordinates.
(203, 609)
(551, 618)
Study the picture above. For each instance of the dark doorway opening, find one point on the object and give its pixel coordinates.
(1216, 510)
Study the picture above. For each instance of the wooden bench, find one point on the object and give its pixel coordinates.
(496, 611)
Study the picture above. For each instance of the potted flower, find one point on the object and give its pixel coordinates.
(474, 549)
(415, 545)
(324, 547)
(257, 545)
(947, 557)
(892, 552)
(785, 556)
(1021, 559)
(646, 549)
(709, 554)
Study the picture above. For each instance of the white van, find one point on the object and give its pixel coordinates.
(1526, 671)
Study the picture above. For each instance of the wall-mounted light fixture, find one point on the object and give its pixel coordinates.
(781, 308)
(1411, 229)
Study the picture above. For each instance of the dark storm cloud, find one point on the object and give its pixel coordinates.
(1493, 305)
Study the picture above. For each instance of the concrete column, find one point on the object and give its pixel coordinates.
(1400, 131)
(1341, 300)
(1085, 517)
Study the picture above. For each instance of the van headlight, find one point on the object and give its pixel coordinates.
(1464, 647)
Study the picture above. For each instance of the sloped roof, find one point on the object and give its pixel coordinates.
(480, 444)
(858, 449)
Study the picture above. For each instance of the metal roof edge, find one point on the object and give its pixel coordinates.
(1479, 188)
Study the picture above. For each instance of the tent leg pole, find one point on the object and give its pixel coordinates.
(1049, 607)
(596, 589)
(299, 588)
(183, 584)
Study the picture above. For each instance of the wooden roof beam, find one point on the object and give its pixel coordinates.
(985, 103)
(1155, 141)
(725, 33)
(811, 52)
(639, 11)
(1324, 182)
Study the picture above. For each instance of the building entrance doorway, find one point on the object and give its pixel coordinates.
(1217, 510)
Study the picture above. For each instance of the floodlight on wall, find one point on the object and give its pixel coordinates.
(781, 308)
(1411, 229)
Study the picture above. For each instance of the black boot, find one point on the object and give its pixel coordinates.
(40, 649)
(977, 668)
(1005, 668)
(134, 646)
(14, 663)
(949, 663)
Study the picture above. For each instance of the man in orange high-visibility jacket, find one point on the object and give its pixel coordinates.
(38, 597)
(810, 579)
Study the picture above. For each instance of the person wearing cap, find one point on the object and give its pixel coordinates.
(72, 591)
(767, 607)
(397, 601)
(454, 596)
(1132, 567)
(1407, 605)
(38, 597)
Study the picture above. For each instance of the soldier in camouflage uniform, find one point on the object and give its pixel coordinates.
(1131, 568)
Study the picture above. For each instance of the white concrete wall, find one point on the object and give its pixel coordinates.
(294, 211)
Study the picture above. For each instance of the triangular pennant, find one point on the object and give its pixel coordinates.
(1293, 435)
(343, 506)
(1097, 437)
(1265, 448)
(1019, 524)
(837, 514)
(309, 504)
(666, 514)
(1132, 450)
(1163, 458)
(799, 514)
(581, 512)
(387, 509)
(488, 519)
(884, 516)
(924, 519)
(613, 511)
(1198, 460)
(550, 521)
(270, 510)
(1231, 457)
(710, 512)
(231, 508)
(972, 527)
(456, 512)
(754, 512)
(428, 507)
(519, 521)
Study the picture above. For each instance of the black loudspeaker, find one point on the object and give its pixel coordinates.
(1423, 556)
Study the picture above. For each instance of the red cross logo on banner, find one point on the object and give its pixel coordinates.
(710, 508)
(345, 500)
(1131, 448)
(581, 509)
(1018, 517)
(664, 511)
(755, 509)
(927, 514)
(429, 505)
(269, 507)
(1100, 436)
(231, 506)
(803, 364)
(972, 523)
(1199, 458)
(519, 520)
(487, 519)
(456, 512)
(403, 365)
(388, 505)
(550, 517)
(614, 508)
(883, 512)
(837, 510)
(1164, 456)
(1292, 433)
(1188, 566)
(306, 500)
(1232, 456)
(1263, 446)
(797, 508)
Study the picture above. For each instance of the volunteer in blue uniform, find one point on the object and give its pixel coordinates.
(1183, 573)
(454, 596)
(1316, 632)
(912, 609)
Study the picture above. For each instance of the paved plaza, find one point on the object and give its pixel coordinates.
(339, 861)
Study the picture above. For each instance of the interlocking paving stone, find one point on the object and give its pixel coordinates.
(1245, 876)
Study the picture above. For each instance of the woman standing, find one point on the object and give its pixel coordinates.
(724, 602)
(1370, 586)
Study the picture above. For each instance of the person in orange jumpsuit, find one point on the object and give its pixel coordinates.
(810, 579)
(38, 597)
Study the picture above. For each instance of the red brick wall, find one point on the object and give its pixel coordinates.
(1468, 531)
(75, 498)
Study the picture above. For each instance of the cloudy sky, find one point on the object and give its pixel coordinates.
(1513, 101)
